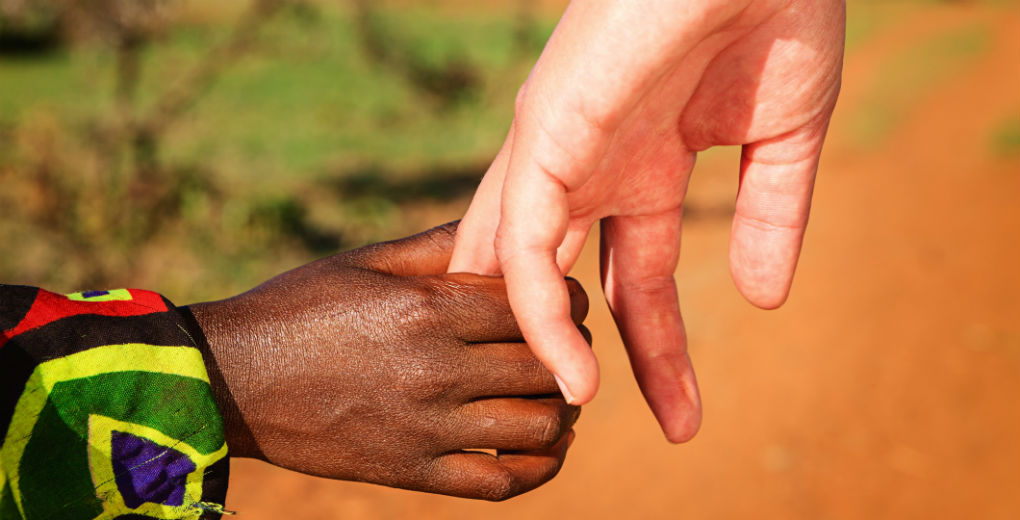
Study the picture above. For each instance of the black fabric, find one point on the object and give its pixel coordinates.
(15, 301)
(15, 367)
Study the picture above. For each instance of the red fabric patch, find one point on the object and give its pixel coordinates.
(49, 307)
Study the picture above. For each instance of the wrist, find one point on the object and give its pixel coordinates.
(216, 332)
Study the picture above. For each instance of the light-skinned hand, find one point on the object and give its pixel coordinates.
(607, 128)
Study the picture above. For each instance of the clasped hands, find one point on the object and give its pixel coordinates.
(373, 366)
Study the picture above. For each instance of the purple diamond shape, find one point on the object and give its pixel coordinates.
(148, 472)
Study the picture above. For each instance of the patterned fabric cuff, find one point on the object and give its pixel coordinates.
(106, 409)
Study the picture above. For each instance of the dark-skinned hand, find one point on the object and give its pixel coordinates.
(374, 366)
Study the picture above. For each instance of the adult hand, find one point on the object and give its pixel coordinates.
(373, 366)
(607, 127)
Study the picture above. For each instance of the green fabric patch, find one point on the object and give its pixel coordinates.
(180, 407)
(8, 509)
(56, 458)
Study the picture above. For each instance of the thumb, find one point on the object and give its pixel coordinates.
(426, 253)
(534, 225)
(474, 250)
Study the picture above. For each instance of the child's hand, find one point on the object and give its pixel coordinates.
(373, 366)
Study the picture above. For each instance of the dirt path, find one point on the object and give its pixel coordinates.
(888, 387)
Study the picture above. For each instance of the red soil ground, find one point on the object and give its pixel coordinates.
(887, 387)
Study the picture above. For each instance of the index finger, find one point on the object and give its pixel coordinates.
(425, 253)
(481, 310)
(532, 227)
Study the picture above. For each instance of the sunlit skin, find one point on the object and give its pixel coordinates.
(375, 366)
(607, 127)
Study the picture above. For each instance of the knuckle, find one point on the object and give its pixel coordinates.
(520, 100)
(498, 486)
(548, 429)
(443, 233)
(427, 380)
(419, 308)
(575, 287)
(586, 334)
(578, 300)
(509, 241)
(468, 304)
(597, 117)
(504, 250)
(653, 285)
(433, 371)
(573, 415)
(454, 294)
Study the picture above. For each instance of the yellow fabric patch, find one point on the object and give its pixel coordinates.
(114, 295)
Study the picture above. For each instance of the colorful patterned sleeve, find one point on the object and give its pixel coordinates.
(106, 409)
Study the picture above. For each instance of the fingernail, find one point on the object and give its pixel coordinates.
(564, 390)
(570, 437)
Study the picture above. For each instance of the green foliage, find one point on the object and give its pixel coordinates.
(266, 165)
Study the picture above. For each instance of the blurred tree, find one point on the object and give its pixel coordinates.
(98, 181)
(106, 185)
(452, 80)
(28, 27)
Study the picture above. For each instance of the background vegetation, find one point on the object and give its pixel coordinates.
(200, 147)
(197, 147)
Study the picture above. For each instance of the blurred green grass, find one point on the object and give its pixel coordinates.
(308, 143)
(305, 100)
(275, 135)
